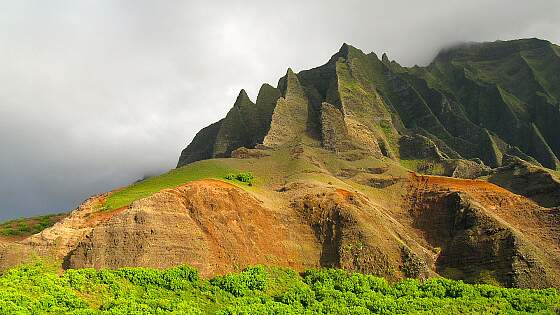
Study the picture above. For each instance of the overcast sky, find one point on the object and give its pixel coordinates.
(96, 94)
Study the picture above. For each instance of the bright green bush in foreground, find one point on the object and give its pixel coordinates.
(257, 290)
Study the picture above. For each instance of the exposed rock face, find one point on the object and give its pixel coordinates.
(477, 245)
(218, 227)
(57, 241)
(478, 229)
(463, 229)
(334, 133)
(465, 168)
(291, 114)
(340, 223)
(419, 147)
(65, 235)
(244, 153)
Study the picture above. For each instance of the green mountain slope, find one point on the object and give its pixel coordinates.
(475, 101)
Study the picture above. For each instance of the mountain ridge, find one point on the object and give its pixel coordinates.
(433, 103)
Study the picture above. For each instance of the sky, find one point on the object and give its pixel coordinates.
(97, 94)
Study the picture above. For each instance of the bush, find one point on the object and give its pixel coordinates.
(253, 278)
(245, 177)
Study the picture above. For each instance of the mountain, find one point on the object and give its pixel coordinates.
(473, 102)
(363, 164)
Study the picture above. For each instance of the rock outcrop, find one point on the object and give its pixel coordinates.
(536, 183)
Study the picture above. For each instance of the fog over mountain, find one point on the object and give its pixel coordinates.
(97, 94)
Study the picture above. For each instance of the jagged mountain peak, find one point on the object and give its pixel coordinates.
(347, 52)
(384, 58)
(242, 99)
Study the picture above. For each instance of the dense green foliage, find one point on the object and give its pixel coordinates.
(245, 177)
(256, 290)
(176, 177)
(29, 226)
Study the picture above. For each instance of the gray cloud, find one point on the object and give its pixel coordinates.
(96, 94)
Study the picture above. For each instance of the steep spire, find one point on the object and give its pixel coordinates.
(242, 98)
(343, 51)
(384, 58)
(347, 52)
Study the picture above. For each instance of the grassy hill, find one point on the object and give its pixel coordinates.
(200, 170)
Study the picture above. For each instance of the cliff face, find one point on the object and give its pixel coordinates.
(480, 101)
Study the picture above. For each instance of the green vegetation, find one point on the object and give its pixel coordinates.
(245, 177)
(199, 170)
(29, 226)
(33, 289)
(423, 166)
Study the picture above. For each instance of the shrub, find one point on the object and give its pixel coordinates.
(253, 278)
(245, 177)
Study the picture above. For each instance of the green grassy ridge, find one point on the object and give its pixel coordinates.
(29, 226)
(36, 289)
(206, 169)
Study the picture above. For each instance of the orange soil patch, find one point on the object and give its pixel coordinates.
(459, 183)
(486, 193)
(103, 216)
(342, 192)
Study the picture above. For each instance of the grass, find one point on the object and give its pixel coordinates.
(36, 289)
(267, 171)
(216, 169)
(29, 226)
(423, 166)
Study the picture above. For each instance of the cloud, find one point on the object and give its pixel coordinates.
(96, 94)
